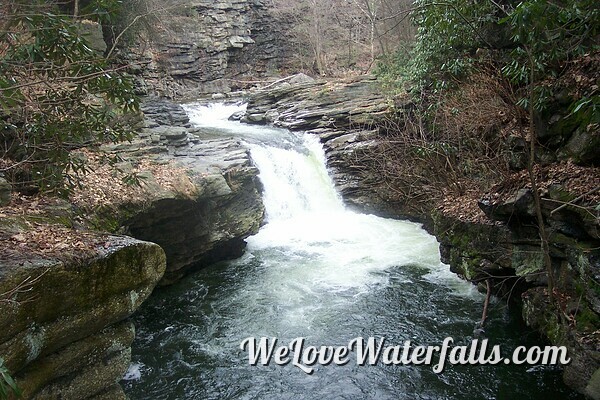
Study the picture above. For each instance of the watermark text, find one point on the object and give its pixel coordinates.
(374, 351)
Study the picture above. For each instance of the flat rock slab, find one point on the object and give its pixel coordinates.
(222, 204)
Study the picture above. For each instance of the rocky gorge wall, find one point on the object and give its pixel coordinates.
(211, 47)
(505, 250)
(211, 209)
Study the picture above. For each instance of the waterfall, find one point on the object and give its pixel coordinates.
(319, 271)
(306, 220)
(296, 183)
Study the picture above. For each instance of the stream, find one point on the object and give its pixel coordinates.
(327, 274)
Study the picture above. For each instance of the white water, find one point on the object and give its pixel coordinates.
(328, 246)
(319, 271)
(214, 118)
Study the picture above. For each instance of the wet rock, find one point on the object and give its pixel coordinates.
(581, 374)
(255, 118)
(98, 362)
(236, 116)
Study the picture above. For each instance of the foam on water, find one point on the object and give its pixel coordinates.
(214, 117)
(306, 218)
(320, 271)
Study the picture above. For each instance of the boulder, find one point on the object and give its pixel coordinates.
(85, 369)
(92, 32)
(200, 207)
(236, 116)
(520, 205)
(583, 147)
(62, 332)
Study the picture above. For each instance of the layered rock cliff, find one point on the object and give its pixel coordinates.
(69, 279)
(225, 208)
(199, 194)
(212, 46)
(505, 250)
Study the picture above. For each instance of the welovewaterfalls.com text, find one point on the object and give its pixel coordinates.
(373, 351)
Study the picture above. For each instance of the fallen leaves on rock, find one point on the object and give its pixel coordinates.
(21, 238)
(107, 186)
(575, 179)
(463, 207)
(50, 228)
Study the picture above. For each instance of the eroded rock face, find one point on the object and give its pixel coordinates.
(212, 43)
(63, 333)
(508, 253)
(217, 205)
(346, 116)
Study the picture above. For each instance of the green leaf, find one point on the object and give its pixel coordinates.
(11, 382)
(579, 104)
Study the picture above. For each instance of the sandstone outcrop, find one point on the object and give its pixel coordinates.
(211, 203)
(210, 46)
(63, 331)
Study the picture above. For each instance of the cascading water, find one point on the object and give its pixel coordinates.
(318, 271)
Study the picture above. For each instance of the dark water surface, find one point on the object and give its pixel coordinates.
(329, 275)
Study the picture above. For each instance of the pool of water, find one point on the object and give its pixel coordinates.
(326, 274)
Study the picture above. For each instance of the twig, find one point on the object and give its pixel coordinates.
(575, 200)
(25, 286)
(486, 303)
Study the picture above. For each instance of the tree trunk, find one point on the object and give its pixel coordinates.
(544, 238)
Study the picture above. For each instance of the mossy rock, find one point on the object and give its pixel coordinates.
(583, 147)
(66, 302)
(81, 369)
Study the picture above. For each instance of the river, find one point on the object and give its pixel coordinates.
(327, 274)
